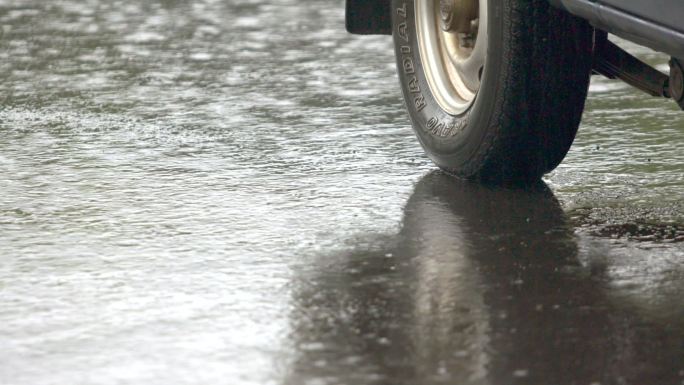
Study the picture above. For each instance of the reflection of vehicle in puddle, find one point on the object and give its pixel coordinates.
(489, 286)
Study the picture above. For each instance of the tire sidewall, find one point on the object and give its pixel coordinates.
(452, 142)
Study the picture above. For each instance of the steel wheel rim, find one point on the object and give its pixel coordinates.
(452, 38)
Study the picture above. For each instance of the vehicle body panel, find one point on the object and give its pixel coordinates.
(667, 13)
(655, 25)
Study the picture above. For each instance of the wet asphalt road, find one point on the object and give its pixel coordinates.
(229, 192)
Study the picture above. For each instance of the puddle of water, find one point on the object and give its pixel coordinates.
(193, 192)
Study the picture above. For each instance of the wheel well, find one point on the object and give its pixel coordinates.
(369, 17)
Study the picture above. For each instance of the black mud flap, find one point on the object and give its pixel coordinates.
(369, 17)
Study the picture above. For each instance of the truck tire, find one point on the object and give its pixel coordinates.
(495, 89)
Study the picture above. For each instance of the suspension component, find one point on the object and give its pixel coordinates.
(613, 62)
(677, 82)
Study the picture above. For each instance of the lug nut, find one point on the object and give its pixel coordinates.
(458, 15)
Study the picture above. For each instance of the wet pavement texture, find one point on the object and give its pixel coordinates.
(229, 192)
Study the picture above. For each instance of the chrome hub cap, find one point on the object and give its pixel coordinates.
(452, 37)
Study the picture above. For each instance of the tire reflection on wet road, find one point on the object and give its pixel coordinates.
(485, 286)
